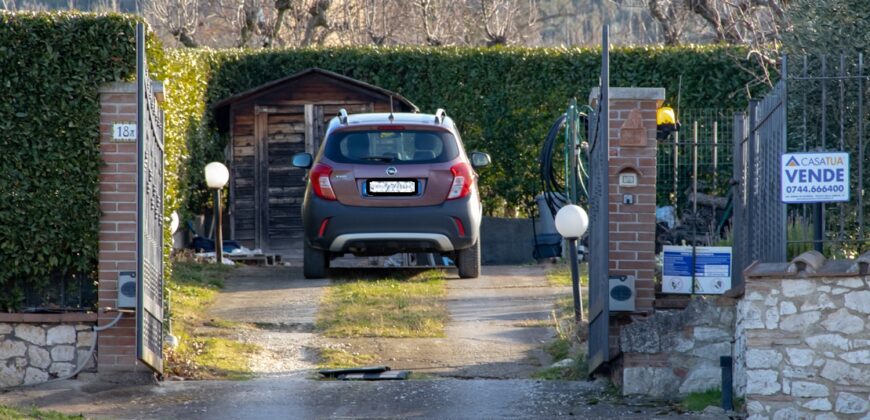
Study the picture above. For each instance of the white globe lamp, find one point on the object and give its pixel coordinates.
(571, 221)
(216, 176)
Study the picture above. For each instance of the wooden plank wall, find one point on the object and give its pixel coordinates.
(284, 184)
(267, 191)
(244, 183)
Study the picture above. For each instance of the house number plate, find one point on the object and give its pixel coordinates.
(124, 132)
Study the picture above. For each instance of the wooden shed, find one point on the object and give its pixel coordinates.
(267, 126)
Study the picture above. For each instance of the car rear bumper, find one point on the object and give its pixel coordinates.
(387, 230)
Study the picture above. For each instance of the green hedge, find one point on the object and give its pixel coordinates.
(503, 99)
(51, 68)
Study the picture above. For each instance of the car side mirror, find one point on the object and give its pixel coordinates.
(302, 160)
(480, 160)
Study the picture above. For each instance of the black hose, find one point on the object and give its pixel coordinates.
(553, 185)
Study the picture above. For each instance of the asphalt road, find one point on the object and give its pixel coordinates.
(306, 399)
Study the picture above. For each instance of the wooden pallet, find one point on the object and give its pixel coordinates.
(260, 259)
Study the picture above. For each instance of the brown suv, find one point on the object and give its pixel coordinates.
(388, 183)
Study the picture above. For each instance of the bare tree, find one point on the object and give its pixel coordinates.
(505, 21)
(671, 16)
(180, 18)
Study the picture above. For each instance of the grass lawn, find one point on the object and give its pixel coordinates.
(561, 276)
(337, 359)
(11, 413)
(405, 304)
(192, 288)
(697, 401)
(565, 344)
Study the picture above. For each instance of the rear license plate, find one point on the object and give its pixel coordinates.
(391, 187)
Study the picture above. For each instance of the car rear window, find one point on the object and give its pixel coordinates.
(384, 146)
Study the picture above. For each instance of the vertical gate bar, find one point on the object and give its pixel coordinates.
(738, 233)
(819, 208)
(676, 170)
(803, 105)
(716, 153)
(752, 196)
(860, 152)
(605, 207)
(599, 264)
(140, 187)
(840, 84)
(782, 223)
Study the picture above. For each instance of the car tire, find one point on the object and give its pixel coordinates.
(315, 263)
(468, 262)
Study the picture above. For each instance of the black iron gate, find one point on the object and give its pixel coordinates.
(759, 224)
(818, 106)
(149, 137)
(599, 220)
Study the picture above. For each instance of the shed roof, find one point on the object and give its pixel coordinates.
(221, 108)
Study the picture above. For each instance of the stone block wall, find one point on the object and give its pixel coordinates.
(675, 352)
(33, 353)
(807, 338)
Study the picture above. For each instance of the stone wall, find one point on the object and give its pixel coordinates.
(33, 353)
(675, 352)
(807, 331)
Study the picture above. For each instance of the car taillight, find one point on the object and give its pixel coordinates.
(320, 181)
(462, 179)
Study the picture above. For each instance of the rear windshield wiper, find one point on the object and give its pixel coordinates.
(378, 158)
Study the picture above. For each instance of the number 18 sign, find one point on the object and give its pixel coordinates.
(124, 132)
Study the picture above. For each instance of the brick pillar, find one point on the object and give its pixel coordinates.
(633, 152)
(116, 347)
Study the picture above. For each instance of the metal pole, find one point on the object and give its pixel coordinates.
(860, 152)
(695, 217)
(819, 208)
(575, 280)
(726, 363)
(715, 155)
(219, 237)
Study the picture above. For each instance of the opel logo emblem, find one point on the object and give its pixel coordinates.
(392, 170)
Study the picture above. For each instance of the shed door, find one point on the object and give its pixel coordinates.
(282, 186)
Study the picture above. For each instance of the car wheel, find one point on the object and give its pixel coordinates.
(315, 263)
(468, 262)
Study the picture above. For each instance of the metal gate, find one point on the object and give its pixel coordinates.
(149, 138)
(759, 224)
(599, 220)
(818, 106)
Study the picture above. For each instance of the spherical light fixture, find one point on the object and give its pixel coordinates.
(571, 221)
(216, 175)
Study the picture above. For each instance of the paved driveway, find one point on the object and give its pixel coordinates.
(479, 370)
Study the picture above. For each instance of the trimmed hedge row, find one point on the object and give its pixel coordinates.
(51, 67)
(503, 99)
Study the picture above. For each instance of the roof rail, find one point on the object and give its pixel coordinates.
(342, 116)
(440, 115)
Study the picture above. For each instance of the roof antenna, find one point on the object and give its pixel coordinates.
(391, 109)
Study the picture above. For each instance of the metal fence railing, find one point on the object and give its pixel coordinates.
(826, 112)
(709, 129)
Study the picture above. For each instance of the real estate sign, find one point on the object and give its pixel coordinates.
(815, 177)
(710, 273)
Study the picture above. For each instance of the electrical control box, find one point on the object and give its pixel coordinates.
(622, 293)
(127, 290)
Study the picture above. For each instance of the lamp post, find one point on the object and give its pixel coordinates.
(571, 222)
(216, 176)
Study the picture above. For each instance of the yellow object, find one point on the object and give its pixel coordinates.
(665, 115)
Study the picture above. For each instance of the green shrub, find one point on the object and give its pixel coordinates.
(51, 67)
(503, 99)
